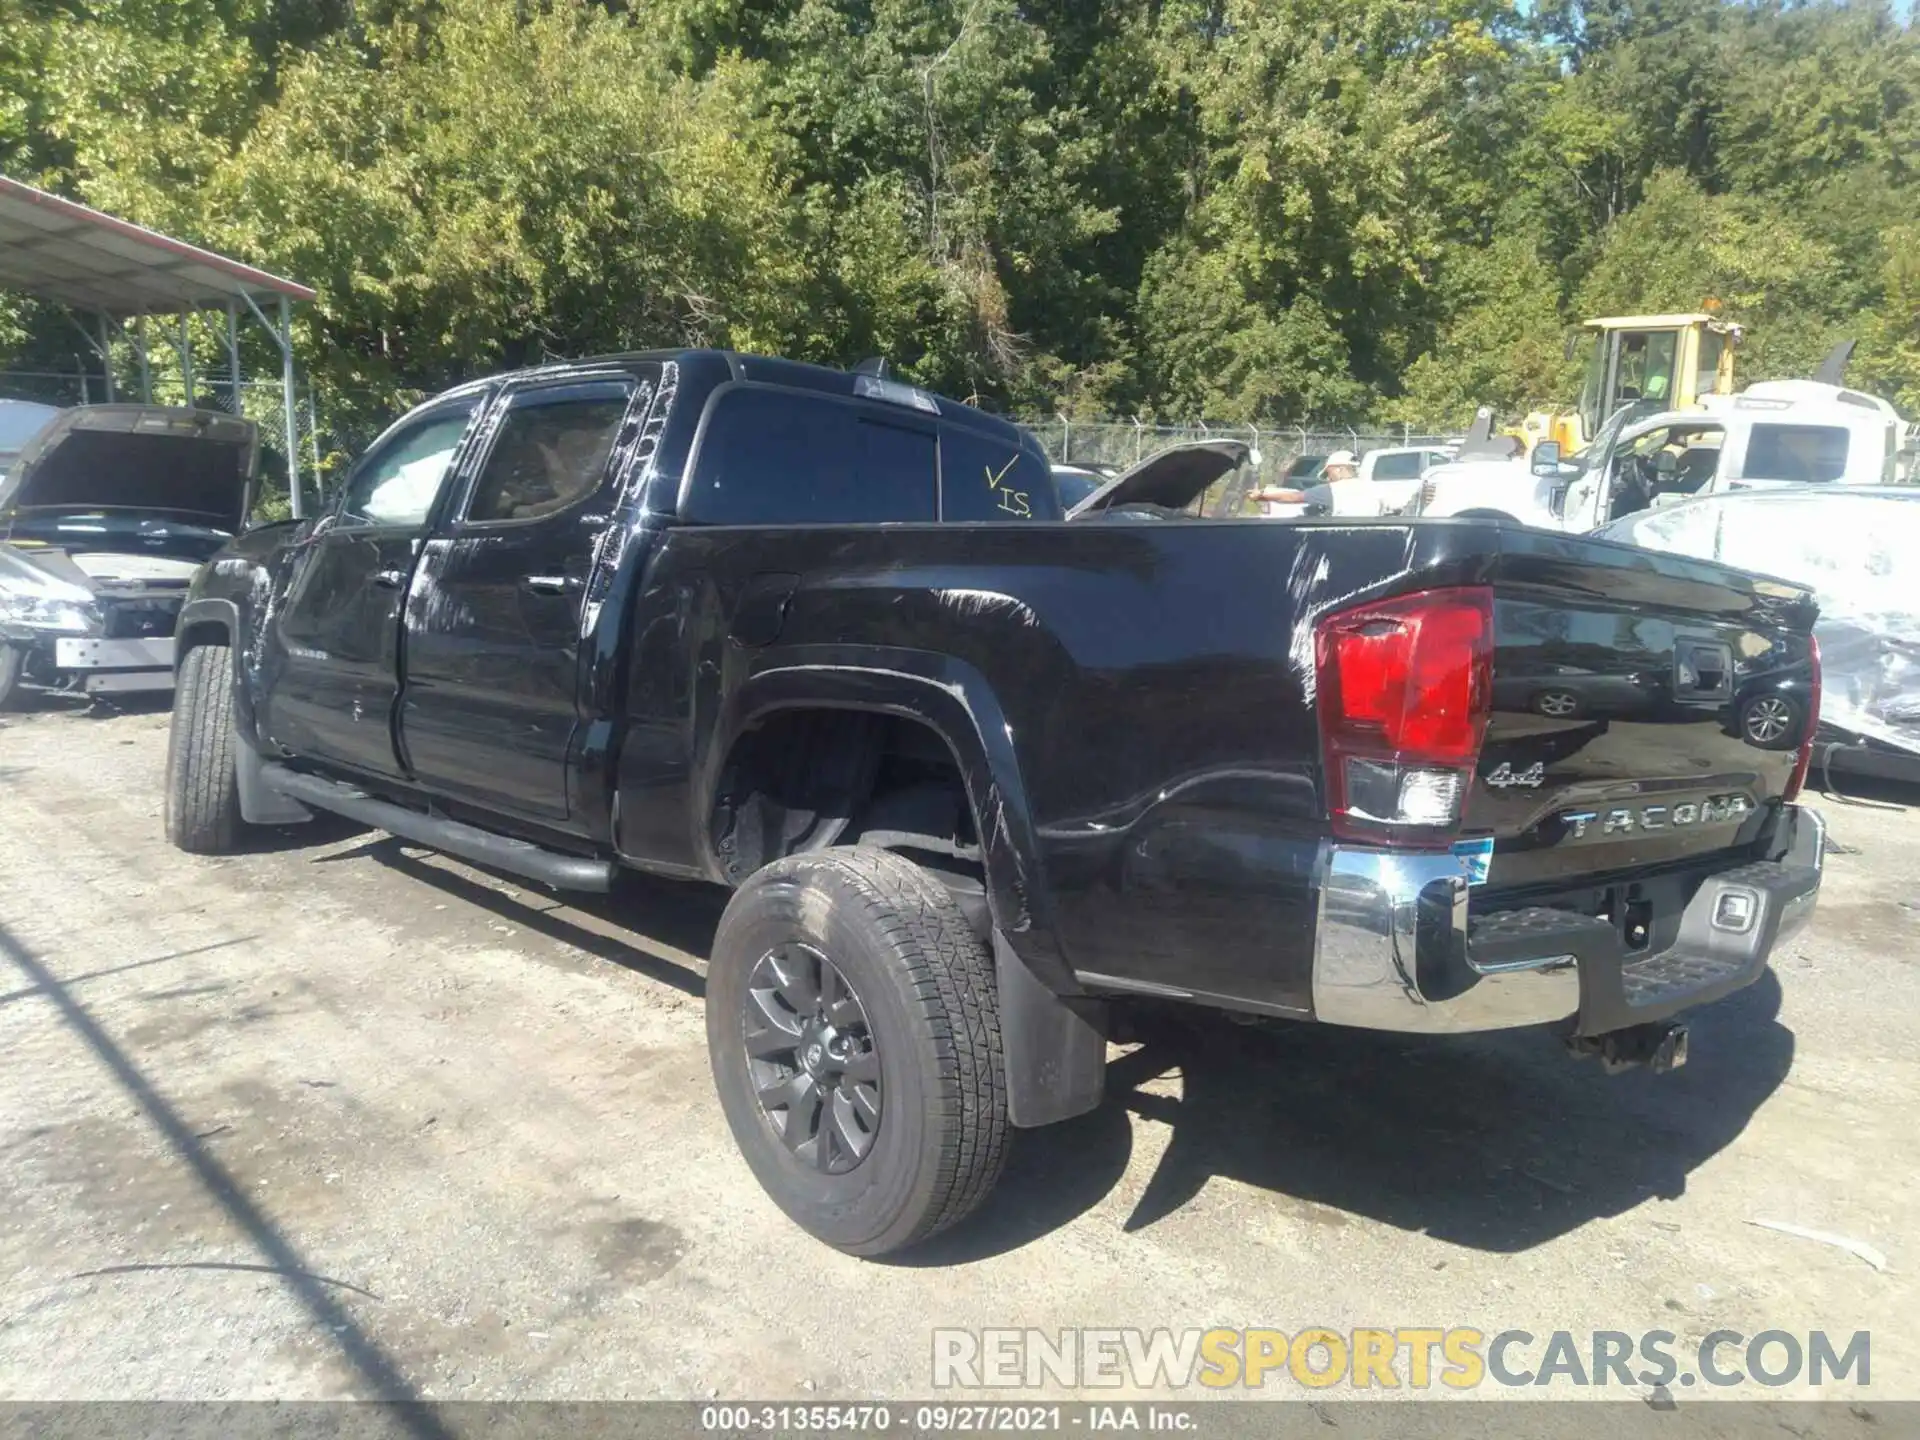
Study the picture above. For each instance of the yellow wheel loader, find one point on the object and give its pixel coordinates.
(1667, 362)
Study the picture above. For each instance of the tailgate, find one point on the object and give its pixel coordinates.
(1647, 708)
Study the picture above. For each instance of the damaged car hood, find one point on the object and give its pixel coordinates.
(194, 467)
(1171, 480)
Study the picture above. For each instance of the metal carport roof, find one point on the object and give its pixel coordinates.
(63, 251)
(73, 255)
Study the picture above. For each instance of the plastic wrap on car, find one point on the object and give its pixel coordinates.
(1860, 553)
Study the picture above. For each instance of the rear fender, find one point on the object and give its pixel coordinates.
(956, 702)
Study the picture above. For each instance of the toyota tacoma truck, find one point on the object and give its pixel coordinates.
(980, 776)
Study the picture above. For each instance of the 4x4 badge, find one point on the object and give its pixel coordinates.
(1505, 775)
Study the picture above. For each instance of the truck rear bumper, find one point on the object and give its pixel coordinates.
(1398, 947)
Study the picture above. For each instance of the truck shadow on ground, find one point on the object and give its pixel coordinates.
(676, 915)
(1497, 1142)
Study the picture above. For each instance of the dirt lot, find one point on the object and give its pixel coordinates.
(340, 1118)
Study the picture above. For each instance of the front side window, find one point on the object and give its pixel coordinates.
(1798, 454)
(1707, 374)
(552, 450)
(398, 483)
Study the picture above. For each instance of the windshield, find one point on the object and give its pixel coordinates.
(1643, 363)
(1073, 486)
(1646, 366)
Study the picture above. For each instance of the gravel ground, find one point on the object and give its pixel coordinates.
(342, 1118)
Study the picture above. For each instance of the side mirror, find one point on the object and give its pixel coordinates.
(1546, 458)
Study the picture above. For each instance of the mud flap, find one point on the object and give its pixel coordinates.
(258, 804)
(1055, 1049)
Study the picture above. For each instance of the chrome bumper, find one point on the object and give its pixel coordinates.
(1396, 944)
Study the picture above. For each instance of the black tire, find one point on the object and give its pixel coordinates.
(203, 797)
(12, 661)
(923, 984)
(1487, 515)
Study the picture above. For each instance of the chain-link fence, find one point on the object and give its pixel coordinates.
(1117, 444)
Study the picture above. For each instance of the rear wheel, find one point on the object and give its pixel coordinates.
(854, 1035)
(203, 796)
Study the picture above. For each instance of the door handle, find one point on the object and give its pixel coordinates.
(389, 579)
(551, 584)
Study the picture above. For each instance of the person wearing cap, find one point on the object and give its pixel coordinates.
(1318, 498)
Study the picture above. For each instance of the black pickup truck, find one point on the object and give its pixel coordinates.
(982, 776)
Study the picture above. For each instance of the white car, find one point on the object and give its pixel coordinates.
(1779, 433)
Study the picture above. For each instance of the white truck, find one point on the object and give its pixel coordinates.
(1775, 433)
(1388, 481)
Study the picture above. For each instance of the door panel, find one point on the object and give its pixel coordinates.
(493, 622)
(334, 646)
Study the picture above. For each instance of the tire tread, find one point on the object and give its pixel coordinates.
(946, 977)
(951, 974)
(203, 801)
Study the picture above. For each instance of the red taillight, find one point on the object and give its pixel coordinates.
(1405, 687)
(1799, 777)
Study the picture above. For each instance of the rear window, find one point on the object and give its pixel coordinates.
(1799, 454)
(783, 457)
(990, 477)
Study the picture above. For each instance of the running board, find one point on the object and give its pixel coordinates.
(469, 842)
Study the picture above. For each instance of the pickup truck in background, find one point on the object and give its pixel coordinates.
(1775, 434)
(982, 777)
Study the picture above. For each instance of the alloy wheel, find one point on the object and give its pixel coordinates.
(812, 1057)
(1768, 720)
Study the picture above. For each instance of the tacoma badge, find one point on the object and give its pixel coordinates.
(1505, 775)
(1714, 810)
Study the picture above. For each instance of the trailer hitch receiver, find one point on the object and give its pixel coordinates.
(1660, 1046)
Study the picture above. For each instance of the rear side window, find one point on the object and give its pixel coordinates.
(985, 477)
(552, 450)
(1398, 467)
(1800, 454)
(780, 457)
